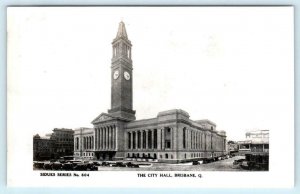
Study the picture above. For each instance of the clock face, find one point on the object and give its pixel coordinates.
(126, 75)
(116, 74)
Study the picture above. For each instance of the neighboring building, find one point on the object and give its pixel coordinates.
(64, 142)
(170, 137)
(43, 148)
(84, 143)
(256, 141)
(233, 147)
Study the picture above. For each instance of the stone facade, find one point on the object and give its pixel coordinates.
(43, 148)
(170, 137)
(64, 141)
(84, 143)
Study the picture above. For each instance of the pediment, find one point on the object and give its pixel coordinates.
(102, 117)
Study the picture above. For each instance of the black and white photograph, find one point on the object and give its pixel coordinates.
(160, 96)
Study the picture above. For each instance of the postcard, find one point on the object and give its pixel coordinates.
(150, 97)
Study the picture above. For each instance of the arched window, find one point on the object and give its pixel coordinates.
(154, 156)
(166, 156)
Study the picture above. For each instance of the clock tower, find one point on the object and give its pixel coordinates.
(121, 77)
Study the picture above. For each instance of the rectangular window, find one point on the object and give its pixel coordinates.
(134, 146)
(168, 144)
(129, 141)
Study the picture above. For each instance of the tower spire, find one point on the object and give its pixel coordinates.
(121, 77)
(122, 31)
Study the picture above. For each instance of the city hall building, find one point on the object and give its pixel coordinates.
(170, 137)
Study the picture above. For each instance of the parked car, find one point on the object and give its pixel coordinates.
(119, 164)
(96, 163)
(80, 167)
(105, 164)
(67, 166)
(56, 166)
(38, 165)
(48, 166)
(131, 165)
(238, 162)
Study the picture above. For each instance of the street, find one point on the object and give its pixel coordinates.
(222, 165)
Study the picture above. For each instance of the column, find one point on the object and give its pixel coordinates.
(195, 140)
(99, 138)
(162, 138)
(104, 138)
(96, 137)
(136, 140)
(200, 140)
(131, 140)
(192, 139)
(114, 137)
(188, 143)
(142, 139)
(109, 137)
(171, 138)
(186, 139)
(158, 139)
(152, 139)
(146, 139)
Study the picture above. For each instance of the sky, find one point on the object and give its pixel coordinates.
(233, 65)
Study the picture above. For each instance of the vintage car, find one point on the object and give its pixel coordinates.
(119, 164)
(105, 164)
(131, 165)
(38, 165)
(80, 167)
(56, 166)
(238, 162)
(48, 166)
(67, 166)
(96, 163)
